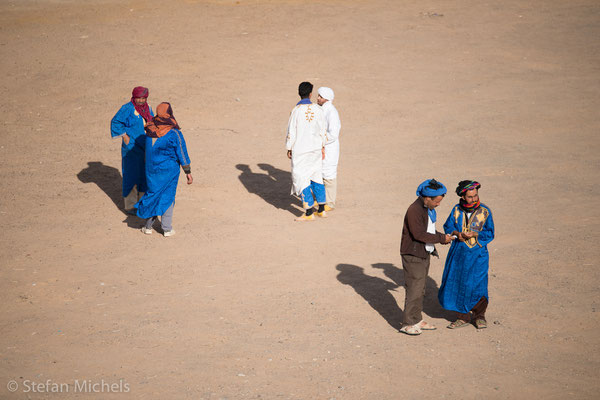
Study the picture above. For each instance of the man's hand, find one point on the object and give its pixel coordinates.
(289, 154)
(190, 180)
(447, 239)
(469, 235)
(323, 153)
(126, 139)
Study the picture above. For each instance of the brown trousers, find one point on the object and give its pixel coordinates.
(416, 270)
(477, 312)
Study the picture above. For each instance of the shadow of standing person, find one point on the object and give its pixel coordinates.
(109, 180)
(375, 291)
(273, 187)
(431, 305)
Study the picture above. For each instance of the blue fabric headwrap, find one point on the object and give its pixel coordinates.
(425, 190)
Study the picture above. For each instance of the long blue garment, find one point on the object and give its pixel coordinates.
(163, 160)
(465, 278)
(128, 121)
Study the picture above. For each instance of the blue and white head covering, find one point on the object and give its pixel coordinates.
(431, 188)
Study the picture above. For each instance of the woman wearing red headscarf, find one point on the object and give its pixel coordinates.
(128, 123)
(166, 152)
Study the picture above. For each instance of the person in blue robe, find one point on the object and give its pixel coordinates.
(166, 152)
(464, 287)
(128, 124)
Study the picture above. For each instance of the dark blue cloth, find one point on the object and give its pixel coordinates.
(163, 160)
(128, 121)
(304, 101)
(465, 277)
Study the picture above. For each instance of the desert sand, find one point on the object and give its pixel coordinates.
(244, 303)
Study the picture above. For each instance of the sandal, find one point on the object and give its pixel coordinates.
(459, 323)
(426, 326)
(412, 330)
(480, 323)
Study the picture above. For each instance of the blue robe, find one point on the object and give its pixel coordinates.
(163, 160)
(465, 278)
(128, 121)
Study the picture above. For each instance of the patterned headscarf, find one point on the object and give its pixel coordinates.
(163, 122)
(144, 109)
(462, 188)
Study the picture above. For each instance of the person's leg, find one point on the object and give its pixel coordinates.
(415, 277)
(330, 191)
(307, 200)
(147, 228)
(479, 313)
(319, 191)
(166, 221)
(130, 200)
(150, 222)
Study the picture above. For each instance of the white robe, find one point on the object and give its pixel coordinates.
(332, 146)
(306, 136)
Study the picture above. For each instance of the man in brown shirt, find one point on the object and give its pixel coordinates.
(417, 245)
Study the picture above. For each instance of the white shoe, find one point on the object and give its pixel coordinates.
(169, 233)
(147, 231)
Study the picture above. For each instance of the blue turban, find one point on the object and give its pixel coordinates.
(431, 188)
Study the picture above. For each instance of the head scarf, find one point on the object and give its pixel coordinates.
(326, 93)
(462, 188)
(163, 122)
(431, 188)
(144, 109)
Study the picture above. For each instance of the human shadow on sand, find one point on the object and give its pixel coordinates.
(272, 186)
(377, 291)
(109, 180)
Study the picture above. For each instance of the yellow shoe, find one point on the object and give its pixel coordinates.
(322, 214)
(327, 208)
(304, 217)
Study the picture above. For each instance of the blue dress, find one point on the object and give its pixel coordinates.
(465, 278)
(128, 121)
(164, 156)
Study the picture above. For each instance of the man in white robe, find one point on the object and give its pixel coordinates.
(306, 137)
(332, 146)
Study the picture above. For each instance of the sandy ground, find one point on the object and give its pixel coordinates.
(243, 303)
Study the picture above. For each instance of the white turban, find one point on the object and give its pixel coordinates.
(326, 93)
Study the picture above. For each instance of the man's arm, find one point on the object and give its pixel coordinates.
(333, 126)
(290, 138)
(419, 230)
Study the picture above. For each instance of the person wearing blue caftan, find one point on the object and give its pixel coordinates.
(128, 123)
(464, 287)
(166, 153)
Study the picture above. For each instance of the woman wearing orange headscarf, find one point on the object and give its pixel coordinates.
(166, 151)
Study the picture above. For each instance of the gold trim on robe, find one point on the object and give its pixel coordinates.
(473, 224)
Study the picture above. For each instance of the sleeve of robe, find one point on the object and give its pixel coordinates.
(450, 225)
(181, 149)
(487, 233)
(118, 124)
(333, 126)
(322, 122)
(290, 139)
